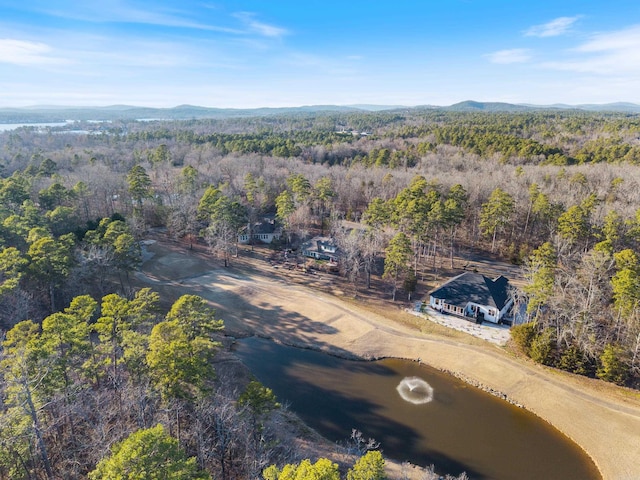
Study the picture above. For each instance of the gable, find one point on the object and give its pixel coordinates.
(499, 289)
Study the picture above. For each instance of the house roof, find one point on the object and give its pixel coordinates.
(266, 225)
(475, 288)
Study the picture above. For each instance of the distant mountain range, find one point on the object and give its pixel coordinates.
(49, 113)
(470, 106)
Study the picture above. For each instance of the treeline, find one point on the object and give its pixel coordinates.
(394, 140)
(558, 138)
(51, 249)
(584, 306)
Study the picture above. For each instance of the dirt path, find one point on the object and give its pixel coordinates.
(255, 298)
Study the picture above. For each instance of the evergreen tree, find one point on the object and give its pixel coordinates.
(540, 274)
(396, 260)
(139, 184)
(148, 454)
(368, 467)
(612, 366)
(496, 214)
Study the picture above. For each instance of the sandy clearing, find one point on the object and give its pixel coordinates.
(263, 302)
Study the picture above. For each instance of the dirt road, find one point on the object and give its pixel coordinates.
(256, 298)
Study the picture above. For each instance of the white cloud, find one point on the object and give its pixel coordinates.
(554, 28)
(514, 55)
(609, 53)
(21, 52)
(116, 11)
(260, 28)
(622, 40)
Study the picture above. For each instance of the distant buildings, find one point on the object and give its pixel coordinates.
(353, 132)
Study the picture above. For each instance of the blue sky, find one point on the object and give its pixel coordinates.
(256, 53)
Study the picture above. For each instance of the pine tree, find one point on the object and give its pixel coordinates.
(148, 454)
(496, 214)
(396, 260)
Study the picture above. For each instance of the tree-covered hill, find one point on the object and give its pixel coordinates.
(53, 113)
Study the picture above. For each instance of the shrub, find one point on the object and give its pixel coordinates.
(523, 335)
(573, 360)
(612, 366)
(541, 347)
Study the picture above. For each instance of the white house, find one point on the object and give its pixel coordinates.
(321, 248)
(473, 295)
(264, 231)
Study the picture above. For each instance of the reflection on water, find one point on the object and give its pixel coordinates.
(418, 414)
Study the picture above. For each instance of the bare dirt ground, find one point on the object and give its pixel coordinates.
(254, 297)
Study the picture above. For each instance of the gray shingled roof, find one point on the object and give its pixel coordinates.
(476, 288)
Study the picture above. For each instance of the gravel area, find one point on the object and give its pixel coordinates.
(491, 332)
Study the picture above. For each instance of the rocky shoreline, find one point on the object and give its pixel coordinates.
(484, 388)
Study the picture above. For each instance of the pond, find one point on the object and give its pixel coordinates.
(417, 414)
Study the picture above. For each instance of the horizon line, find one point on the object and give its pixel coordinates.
(311, 105)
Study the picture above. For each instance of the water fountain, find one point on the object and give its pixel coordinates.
(415, 390)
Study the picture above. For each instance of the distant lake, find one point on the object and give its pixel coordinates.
(4, 127)
(417, 414)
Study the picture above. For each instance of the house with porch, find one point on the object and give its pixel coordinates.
(473, 295)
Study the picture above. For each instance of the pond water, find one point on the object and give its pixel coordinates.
(417, 414)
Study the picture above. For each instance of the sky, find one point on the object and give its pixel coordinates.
(282, 53)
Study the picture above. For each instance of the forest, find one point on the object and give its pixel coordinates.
(92, 368)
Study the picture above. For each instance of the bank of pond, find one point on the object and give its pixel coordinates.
(416, 413)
